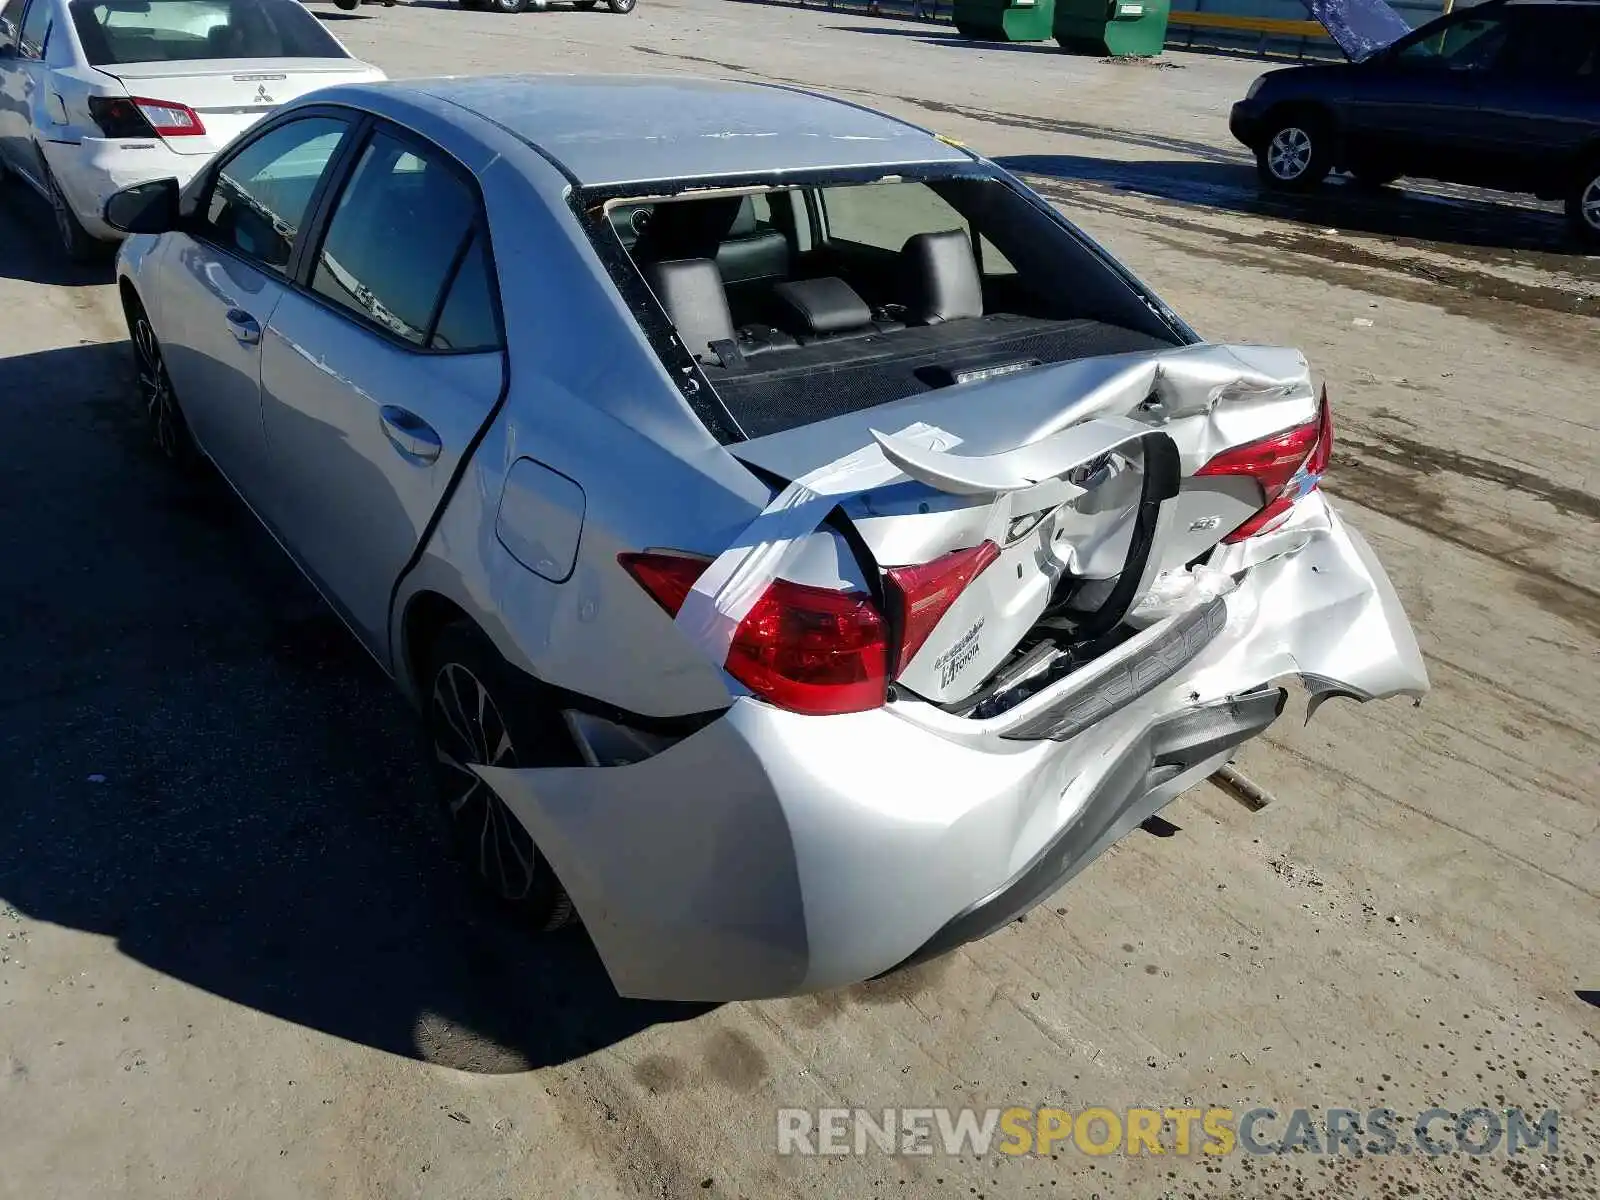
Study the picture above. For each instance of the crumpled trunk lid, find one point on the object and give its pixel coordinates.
(1082, 474)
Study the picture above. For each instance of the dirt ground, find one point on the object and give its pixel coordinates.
(229, 966)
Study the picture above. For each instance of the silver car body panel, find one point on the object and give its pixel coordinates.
(771, 853)
(765, 852)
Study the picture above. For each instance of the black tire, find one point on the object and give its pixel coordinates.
(506, 6)
(347, 5)
(76, 241)
(1296, 152)
(516, 729)
(158, 400)
(621, 7)
(1583, 204)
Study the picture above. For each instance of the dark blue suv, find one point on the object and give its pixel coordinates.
(1505, 94)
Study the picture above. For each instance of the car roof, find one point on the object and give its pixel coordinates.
(613, 130)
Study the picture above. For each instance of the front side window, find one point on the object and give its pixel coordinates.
(1472, 43)
(140, 31)
(395, 240)
(35, 31)
(262, 195)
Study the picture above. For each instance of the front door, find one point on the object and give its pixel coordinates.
(377, 374)
(1415, 107)
(225, 278)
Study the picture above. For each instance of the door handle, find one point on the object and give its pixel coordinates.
(243, 326)
(410, 434)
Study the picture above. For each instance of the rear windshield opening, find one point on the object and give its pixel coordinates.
(114, 32)
(806, 302)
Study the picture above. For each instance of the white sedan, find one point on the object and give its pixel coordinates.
(97, 95)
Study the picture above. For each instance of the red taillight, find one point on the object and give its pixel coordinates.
(922, 594)
(169, 118)
(807, 649)
(1274, 462)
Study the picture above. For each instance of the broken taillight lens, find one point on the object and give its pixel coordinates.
(921, 595)
(1296, 456)
(807, 649)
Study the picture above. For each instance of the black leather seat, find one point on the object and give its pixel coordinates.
(751, 260)
(940, 278)
(690, 290)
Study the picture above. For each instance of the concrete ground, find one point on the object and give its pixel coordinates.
(229, 965)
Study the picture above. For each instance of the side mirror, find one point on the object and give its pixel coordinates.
(144, 207)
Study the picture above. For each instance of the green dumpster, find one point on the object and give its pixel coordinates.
(1134, 28)
(1005, 20)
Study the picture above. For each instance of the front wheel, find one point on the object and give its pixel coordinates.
(507, 6)
(1583, 205)
(621, 6)
(480, 713)
(158, 402)
(1294, 155)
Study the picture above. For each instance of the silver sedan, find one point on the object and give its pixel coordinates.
(806, 548)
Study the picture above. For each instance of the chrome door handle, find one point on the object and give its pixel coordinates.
(410, 434)
(243, 326)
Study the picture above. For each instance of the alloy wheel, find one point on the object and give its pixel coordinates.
(468, 730)
(1289, 153)
(155, 389)
(1589, 204)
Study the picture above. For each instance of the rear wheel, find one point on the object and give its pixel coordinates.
(348, 5)
(1295, 153)
(621, 6)
(480, 712)
(507, 6)
(76, 242)
(1583, 204)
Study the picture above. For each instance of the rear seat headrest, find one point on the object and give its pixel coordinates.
(828, 305)
(941, 278)
(690, 289)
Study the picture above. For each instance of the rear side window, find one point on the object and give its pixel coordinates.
(466, 322)
(1551, 44)
(35, 31)
(11, 22)
(140, 31)
(395, 240)
(261, 194)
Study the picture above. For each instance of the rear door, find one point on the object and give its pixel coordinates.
(1540, 106)
(223, 279)
(24, 32)
(379, 371)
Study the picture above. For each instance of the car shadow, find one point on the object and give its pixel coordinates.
(30, 250)
(1455, 216)
(197, 760)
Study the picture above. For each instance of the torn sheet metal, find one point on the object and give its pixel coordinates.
(724, 595)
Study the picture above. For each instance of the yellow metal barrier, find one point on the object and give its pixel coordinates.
(1267, 26)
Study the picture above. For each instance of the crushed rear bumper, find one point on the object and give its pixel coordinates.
(771, 853)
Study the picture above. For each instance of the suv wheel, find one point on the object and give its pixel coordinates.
(480, 712)
(1583, 205)
(1294, 154)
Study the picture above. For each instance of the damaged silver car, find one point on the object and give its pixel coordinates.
(807, 549)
